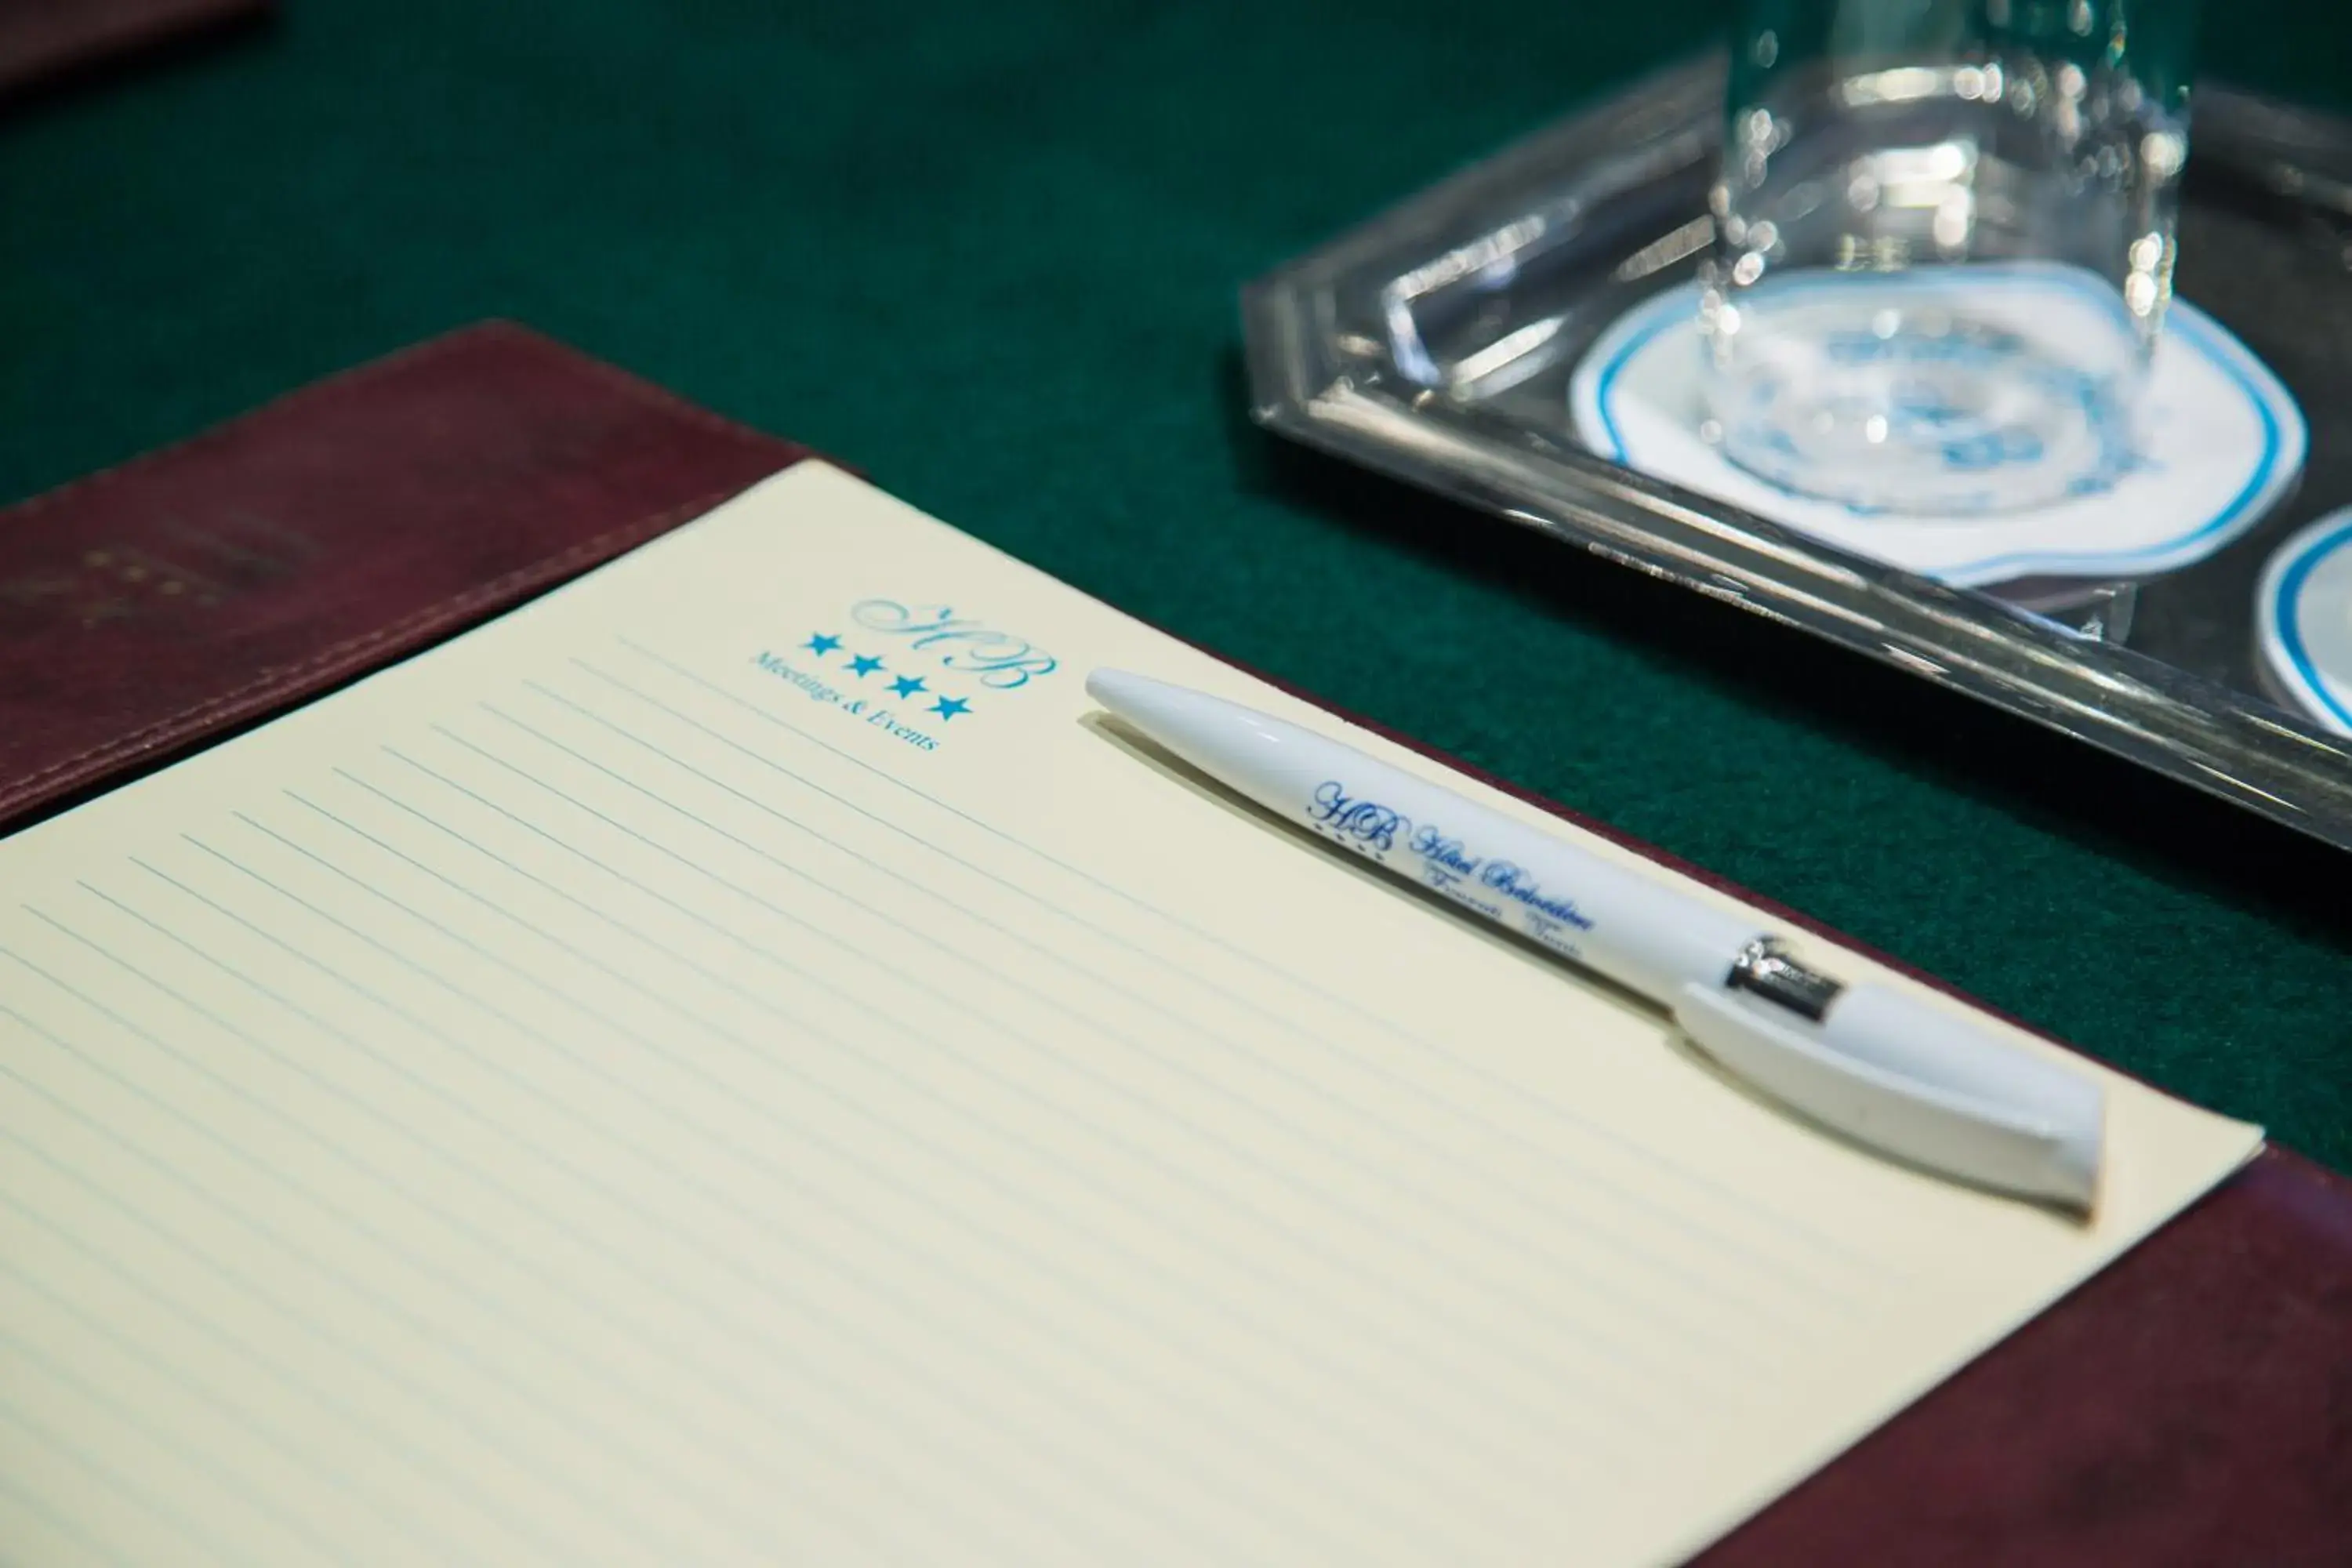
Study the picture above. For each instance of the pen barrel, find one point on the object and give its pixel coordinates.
(1561, 896)
(1885, 1069)
(1642, 931)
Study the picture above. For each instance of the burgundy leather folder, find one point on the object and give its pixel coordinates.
(2192, 1404)
(40, 39)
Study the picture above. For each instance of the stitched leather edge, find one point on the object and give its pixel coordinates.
(343, 383)
(343, 657)
(354, 654)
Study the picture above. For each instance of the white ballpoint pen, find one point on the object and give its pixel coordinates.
(1929, 1087)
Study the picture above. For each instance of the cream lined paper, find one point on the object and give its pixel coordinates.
(730, 1063)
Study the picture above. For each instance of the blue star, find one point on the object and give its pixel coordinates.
(949, 707)
(907, 685)
(821, 644)
(862, 667)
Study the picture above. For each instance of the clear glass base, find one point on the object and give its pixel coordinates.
(1916, 405)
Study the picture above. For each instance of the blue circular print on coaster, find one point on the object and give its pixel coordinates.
(2224, 442)
(2304, 616)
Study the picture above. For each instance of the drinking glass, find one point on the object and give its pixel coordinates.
(1945, 243)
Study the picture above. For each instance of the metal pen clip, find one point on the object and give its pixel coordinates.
(1765, 968)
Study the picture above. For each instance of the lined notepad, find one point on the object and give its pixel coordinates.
(732, 1063)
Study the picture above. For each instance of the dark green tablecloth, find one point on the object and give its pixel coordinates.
(989, 253)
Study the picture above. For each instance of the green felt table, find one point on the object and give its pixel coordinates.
(989, 253)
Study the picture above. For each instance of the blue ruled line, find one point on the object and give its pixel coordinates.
(1297, 1239)
(55, 1442)
(1291, 1129)
(1363, 1215)
(42, 1509)
(1045, 1264)
(359, 1355)
(723, 1259)
(1583, 1127)
(1716, 1242)
(197, 1459)
(457, 1284)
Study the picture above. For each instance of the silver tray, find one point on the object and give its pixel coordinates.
(1435, 343)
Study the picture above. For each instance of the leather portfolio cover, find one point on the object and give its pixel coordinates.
(167, 600)
(2192, 1404)
(40, 39)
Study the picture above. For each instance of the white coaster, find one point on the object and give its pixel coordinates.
(2304, 612)
(2225, 441)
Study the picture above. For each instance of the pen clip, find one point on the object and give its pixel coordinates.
(1998, 1119)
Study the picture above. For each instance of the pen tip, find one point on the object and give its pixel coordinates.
(1118, 689)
